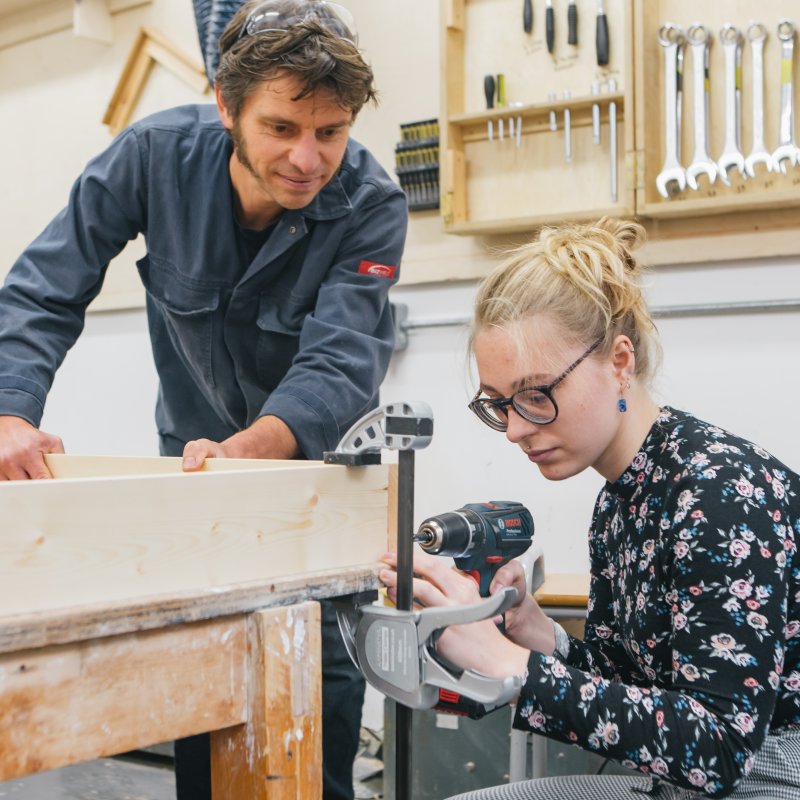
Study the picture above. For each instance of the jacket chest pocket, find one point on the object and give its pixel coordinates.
(280, 322)
(189, 312)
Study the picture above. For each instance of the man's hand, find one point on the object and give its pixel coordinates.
(267, 437)
(22, 449)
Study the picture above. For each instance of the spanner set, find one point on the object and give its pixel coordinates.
(673, 40)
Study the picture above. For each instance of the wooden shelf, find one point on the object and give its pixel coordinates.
(576, 105)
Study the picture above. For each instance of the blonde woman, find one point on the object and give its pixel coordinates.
(690, 666)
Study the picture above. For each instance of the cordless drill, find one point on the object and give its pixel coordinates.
(480, 538)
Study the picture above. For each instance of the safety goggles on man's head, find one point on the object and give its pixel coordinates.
(280, 15)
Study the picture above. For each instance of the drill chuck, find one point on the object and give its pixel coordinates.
(454, 534)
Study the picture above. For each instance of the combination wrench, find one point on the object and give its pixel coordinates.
(699, 39)
(672, 178)
(786, 150)
(756, 35)
(731, 38)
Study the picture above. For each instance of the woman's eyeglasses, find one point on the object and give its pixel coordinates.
(534, 403)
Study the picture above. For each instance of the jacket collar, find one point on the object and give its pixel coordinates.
(332, 202)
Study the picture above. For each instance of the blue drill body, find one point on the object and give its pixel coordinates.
(479, 537)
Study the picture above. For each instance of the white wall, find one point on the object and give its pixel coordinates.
(739, 371)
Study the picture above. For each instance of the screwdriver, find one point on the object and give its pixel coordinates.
(602, 35)
(488, 88)
(572, 22)
(527, 15)
(549, 26)
(500, 88)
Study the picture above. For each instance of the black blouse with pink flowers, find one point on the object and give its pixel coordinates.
(692, 645)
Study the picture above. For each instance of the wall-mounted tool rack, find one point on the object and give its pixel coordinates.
(416, 159)
(766, 191)
(494, 187)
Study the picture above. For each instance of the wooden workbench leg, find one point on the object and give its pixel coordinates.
(277, 753)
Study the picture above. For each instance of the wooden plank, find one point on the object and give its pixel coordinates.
(82, 542)
(62, 705)
(163, 51)
(68, 466)
(277, 753)
(149, 48)
(129, 87)
(25, 631)
(564, 589)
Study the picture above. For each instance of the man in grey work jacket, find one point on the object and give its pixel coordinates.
(272, 241)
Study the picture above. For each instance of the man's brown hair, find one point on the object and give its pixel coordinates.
(314, 53)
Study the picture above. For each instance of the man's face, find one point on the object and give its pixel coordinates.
(285, 151)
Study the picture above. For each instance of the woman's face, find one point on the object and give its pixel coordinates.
(585, 433)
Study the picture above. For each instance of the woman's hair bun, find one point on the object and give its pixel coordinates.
(629, 235)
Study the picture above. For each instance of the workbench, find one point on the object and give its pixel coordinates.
(140, 605)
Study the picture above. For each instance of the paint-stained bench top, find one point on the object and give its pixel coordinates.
(139, 604)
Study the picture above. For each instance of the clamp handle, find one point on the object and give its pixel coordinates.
(395, 426)
(395, 651)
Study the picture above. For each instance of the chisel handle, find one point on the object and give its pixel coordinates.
(527, 15)
(602, 37)
(572, 23)
(488, 89)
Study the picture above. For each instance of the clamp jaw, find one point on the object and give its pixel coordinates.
(396, 652)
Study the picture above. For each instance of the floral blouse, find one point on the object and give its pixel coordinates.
(692, 646)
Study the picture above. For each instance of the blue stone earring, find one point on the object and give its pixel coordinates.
(622, 403)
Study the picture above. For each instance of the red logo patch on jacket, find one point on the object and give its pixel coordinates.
(373, 268)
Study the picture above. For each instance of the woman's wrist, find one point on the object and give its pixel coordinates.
(531, 628)
(561, 649)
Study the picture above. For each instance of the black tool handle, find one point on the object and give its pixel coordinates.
(488, 88)
(572, 23)
(527, 15)
(602, 39)
(549, 28)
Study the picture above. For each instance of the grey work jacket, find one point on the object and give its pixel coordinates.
(303, 331)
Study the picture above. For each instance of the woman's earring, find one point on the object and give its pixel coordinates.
(622, 403)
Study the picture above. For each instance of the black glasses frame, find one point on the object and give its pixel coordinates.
(478, 404)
